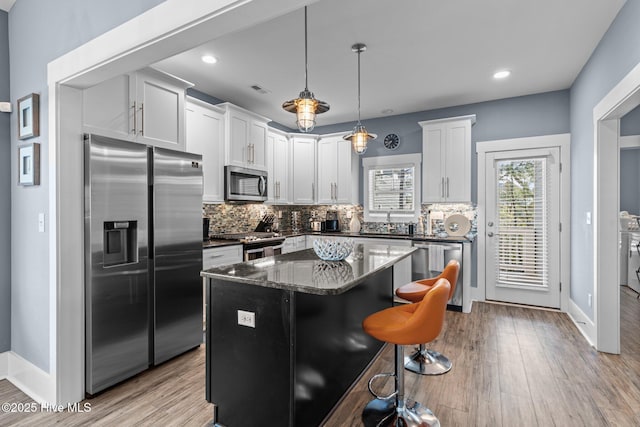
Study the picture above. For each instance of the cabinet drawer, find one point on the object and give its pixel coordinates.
(216, 257)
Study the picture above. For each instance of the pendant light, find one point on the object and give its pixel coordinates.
(305, 106)
(359, 137)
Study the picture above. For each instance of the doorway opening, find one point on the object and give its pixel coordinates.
(622, 99)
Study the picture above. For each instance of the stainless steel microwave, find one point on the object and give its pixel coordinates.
(244, 185)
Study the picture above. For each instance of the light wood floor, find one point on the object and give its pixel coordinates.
(512, 366)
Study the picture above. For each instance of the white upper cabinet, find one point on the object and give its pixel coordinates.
(146, 106)
(205, 136)
(278, 152)
(446, 159)
(337, 171)
(303, 169)
(246, 138)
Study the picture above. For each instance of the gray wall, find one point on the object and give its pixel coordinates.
(617, 53)
(5, 192)
(630, 165)
(630, 180)
(630, 123)
(40, 31)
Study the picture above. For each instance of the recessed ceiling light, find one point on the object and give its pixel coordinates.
(209, 59)
(387, 111)
(503, 74)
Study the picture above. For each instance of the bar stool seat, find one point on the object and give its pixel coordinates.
(425, 361)
(409, 324)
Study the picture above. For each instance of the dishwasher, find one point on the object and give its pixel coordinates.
(429, 261)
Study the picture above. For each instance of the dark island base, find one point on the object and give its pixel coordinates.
(301, 358)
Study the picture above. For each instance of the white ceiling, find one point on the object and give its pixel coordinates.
(6, 5)
(422, 54)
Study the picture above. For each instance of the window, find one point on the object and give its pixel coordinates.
(392, 188)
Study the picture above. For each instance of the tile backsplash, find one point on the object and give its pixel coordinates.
(238, 218)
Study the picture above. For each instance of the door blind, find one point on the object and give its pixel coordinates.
(523, 225)
(391, 189)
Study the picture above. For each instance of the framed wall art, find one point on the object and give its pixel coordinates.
(29, 116)
(29, 164)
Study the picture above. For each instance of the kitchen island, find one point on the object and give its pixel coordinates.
(284, 336)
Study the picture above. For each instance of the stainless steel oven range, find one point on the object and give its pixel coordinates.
(256, 244)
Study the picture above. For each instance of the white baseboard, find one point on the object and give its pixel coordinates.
(585, 325)
(31, 380)
(4, 365)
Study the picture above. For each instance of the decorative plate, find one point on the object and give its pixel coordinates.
(391, 141)
(457, 225)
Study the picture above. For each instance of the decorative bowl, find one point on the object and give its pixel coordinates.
(331, 249)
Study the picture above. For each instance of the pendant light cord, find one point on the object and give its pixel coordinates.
(359, 51)
(306, 62)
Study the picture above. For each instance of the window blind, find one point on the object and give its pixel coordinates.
(392, 189)
(523, 227)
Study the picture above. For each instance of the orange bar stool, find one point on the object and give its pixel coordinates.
(402, 325)
(424, 361)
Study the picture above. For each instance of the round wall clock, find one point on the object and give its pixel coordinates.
(391, 141)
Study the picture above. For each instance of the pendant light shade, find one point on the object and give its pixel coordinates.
(359, 137)
(306, 106)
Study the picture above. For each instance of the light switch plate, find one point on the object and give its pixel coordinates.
(41, 222)
(588, 218)
(246, 318)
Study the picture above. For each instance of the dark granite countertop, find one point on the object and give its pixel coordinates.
(303, 271)
(217, 243)
(214, 243)
(416, 237)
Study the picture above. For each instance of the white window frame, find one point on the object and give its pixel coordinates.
(401, 160)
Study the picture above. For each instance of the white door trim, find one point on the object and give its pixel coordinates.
(624, 97)
(562, 141)
(165, 30)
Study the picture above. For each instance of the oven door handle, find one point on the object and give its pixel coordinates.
(254, 251)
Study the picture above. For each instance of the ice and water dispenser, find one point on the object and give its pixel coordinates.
(120, 242)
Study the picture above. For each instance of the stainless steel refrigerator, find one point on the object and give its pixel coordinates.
(143, 256)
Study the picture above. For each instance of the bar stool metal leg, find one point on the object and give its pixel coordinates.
(427, 362)
(397, 411)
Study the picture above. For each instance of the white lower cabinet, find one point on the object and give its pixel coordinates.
(219, 256)
(402, 269)
(296, 243)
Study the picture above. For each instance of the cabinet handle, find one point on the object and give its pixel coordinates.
(253, 154)
(142, 118)
(442, 188)
(447, 187)
(250, 153)
(313, 191)
(278, 190)
(135, 119)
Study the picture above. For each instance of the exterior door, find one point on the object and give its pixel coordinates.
(522, 262)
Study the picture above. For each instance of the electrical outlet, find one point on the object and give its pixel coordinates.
(590, 298)
(247, 318)
(588, 218)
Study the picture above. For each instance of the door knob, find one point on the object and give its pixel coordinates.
(490, 234)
